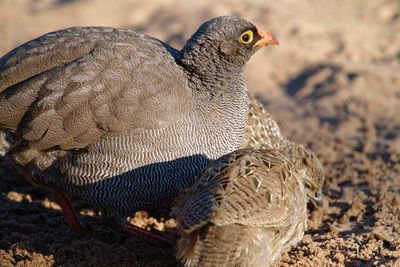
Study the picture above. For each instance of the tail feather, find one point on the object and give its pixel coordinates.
(213, 245)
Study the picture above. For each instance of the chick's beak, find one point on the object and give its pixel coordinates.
(266, 39)
(317, 199)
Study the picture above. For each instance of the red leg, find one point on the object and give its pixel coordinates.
(137, 231)
(69, 213)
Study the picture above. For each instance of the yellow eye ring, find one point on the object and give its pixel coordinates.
(246, 37)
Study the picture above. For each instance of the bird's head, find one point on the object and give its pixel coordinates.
(312, 175)
(224, 43)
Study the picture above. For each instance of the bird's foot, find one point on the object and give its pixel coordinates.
(69, 213)
(127, 228)
(137, 231)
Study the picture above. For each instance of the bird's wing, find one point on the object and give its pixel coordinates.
(249, 187)
(71, 87)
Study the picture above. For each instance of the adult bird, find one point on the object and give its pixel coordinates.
(250, 205)
(120, 119)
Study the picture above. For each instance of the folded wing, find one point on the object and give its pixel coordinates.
(70, 88)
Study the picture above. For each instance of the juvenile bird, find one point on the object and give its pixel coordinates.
(120, 119)
(262, 131)
(249, 205)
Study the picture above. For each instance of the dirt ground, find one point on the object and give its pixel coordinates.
(333, 85)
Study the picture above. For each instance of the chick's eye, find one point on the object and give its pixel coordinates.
(246, 37)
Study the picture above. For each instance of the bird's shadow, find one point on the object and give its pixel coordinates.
(30, 222)
(308, 86)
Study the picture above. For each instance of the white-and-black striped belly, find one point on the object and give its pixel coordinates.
(126, 173)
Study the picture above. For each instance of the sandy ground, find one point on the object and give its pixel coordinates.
(333, 85)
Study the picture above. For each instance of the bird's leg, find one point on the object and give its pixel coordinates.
(130, 229)
(69, 213)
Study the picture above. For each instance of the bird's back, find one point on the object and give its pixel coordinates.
(244, 209)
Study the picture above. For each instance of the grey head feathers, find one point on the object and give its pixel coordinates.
(226, 52)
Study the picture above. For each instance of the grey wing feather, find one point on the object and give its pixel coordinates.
(71, 87)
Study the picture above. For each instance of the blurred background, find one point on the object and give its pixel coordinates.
(333, 84)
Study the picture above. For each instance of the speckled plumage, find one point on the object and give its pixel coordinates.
(249, 205)
(121, 119)
(262, 131)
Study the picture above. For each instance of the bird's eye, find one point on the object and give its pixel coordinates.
(308, 186)
(246, 37)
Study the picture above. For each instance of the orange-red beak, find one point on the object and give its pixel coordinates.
(266, 39)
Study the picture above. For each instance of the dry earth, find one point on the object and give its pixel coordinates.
(333, 85)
